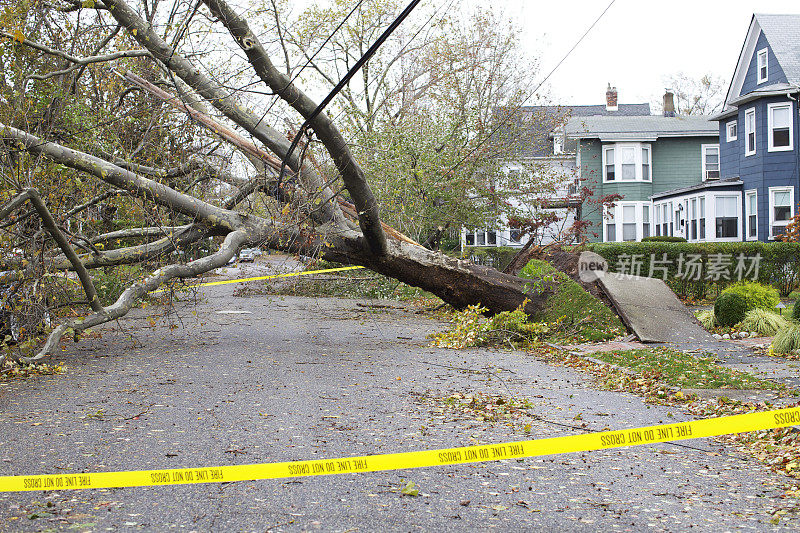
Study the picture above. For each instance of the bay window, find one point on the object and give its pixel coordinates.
(779, 127)
(629, 223)
(627, 162)
(626, 221)
(781, 209)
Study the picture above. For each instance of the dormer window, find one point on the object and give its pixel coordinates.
(762, 64)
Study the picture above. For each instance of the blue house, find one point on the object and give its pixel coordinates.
(758, 127)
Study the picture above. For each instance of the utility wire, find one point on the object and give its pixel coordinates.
(519, 106)
(344, 81)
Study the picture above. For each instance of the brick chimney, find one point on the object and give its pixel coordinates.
(611, 98)
(669, 103)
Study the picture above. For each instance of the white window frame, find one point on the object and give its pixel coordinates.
(747, 214)
(728, 136)
(770, 109)
(762, 54)
(772, 221)
(610, 220)
(606, 149)
(637, 150)
(703, 149)
(738, 197)
(618, 221)
(750, 113)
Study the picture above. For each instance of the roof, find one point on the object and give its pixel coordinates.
(783, 34)
(648, 128)
(714, 184)
(626, 110)
(542, 121)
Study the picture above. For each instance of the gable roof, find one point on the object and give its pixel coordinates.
(647, 128)
(782, 32)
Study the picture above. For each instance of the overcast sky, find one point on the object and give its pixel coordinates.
(636, 44)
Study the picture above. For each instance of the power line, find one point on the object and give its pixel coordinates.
(344, 81)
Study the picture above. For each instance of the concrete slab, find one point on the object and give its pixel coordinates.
(652, 311)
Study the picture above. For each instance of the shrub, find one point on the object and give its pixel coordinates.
(779, 263)
(663, 238)
(707, 318)
(730, 308)
(765, 323)
(787, 340)
(471, 328)
(756, 295)
(796, 311)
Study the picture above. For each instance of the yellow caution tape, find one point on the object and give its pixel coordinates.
(274, 276)
(710, 427)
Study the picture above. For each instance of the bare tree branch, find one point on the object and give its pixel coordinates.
(49, 223)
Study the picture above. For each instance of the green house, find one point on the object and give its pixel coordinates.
(640, 159)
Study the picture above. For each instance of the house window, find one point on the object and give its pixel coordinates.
(779, 124)
(629, 223)
(750, 132)
(611, 225)
(693, 218)
(781, 209)
(645, 221)
(628, 164)
(610, 175)
(702, 218)
(645, 163)
(667, 213)
(763, 73)
(751, 214)
(491, 238)
(558, 142)
(731, 131)
(727, 214)
(710, 161)
(657, 219)
(480, 237)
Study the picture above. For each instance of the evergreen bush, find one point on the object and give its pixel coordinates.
(730, 308)
(756, 295)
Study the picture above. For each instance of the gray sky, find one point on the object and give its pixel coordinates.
(636, 44)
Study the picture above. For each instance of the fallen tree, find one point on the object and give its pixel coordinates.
(313, 219)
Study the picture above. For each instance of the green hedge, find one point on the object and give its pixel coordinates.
(494, 256)
(663, 238)
(704, 264)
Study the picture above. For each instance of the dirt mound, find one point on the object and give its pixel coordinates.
(567, 262)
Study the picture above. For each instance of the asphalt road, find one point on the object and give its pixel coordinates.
(257, 379)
